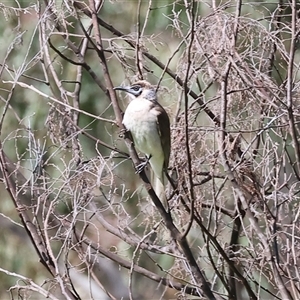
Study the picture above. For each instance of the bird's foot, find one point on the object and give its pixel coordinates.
(142, 165)
(122, 133)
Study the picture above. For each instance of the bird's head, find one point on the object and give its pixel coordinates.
(140, 89)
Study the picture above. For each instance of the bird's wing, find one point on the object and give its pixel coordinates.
(163, 128)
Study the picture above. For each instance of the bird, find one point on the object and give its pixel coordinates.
(149, 125)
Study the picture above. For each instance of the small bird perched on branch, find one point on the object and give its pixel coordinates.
(149, 126)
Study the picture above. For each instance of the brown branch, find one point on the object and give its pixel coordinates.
(20, 200)
(289, 87)
(176, 235)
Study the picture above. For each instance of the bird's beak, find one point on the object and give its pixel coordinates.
(121, 88)
(126, 89)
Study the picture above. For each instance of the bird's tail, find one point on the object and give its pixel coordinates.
(159, 188)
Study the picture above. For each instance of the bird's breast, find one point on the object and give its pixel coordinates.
(142, 123)
(138, 113)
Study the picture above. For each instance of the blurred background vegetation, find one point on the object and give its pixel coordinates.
(32, 129)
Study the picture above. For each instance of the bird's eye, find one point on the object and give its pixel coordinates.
(136, 87)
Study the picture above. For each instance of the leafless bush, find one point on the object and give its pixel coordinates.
(228, 77)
